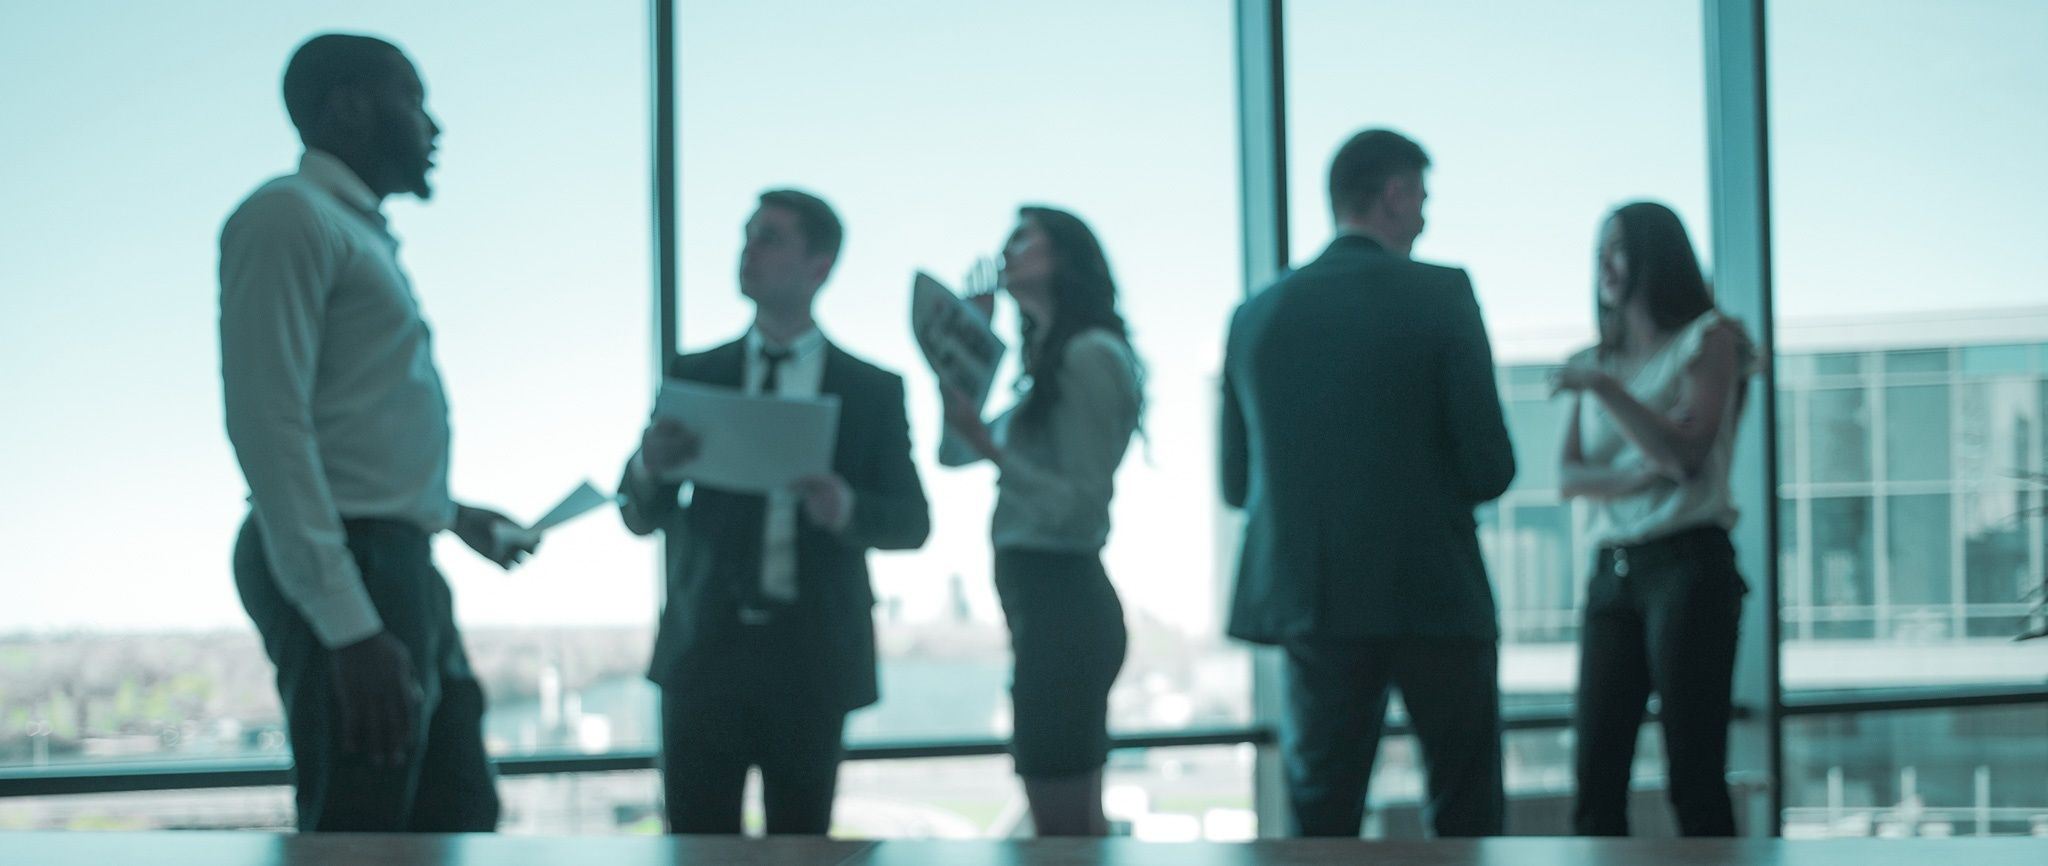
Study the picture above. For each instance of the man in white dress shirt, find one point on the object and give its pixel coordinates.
(338, 419)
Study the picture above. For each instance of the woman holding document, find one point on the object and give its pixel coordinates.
(1057, 451)
(1649, 446)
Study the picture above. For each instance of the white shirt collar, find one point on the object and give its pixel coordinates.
(808, 342)
(328, 172)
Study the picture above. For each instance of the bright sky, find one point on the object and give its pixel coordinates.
(1906, 167)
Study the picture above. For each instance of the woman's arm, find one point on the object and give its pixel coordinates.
(1676, 445)
(1578, 480)
(1586, 482)
(964, 419)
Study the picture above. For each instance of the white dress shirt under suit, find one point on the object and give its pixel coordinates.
(334, 406)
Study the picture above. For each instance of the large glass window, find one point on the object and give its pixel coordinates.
(1918, 549)
(1916, 442)
(926, 123)
(1912, 368)
(2000, 562)
(1925, 352)
(136, 128)
(1578, 107)
(1949, 772)
(1843, 573)
(1840, 435)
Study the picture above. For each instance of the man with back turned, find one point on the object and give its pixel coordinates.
(1361, 428)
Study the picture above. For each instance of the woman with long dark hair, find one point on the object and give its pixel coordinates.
(1057, 451)
(1651, 437)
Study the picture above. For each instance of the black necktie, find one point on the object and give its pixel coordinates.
(774, 357)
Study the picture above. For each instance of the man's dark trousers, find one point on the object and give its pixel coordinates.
(445, 784)
(1337, 705)
(757, 708)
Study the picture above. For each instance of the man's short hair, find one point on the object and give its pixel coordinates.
(328, 62)
(822, 231)
(1364, 165)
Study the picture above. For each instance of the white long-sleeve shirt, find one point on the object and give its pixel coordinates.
(1059, 471)
(334, 406)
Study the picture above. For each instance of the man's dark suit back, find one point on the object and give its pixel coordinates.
(1361, 427)
(714, 541)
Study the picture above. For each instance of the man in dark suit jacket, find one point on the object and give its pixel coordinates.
(1360, 429)
(767, 639)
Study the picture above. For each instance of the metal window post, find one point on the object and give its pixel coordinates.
(1738, 148)
(1262, 184)
(662, 87)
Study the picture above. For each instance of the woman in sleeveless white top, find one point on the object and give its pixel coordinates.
(1649, 447)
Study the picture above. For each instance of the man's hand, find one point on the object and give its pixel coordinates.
(379, 696)
(666, 445)
(828, 501)
(494, 536)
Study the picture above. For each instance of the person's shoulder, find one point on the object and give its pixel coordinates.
(1099, 343)
(1439, 272)
(279, 203)
(1718, 326)
(1099, 351)
(688, 365)
(1264, 296)
(1715, 335)
(861, 370)
(1379, 266)
(1422, 274)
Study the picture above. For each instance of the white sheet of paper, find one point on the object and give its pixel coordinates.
(751, 444)
(579, 502)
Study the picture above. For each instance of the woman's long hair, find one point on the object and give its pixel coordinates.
(1662, 269)
(1084, 298)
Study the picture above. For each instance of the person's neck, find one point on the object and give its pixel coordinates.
(356, 161)
(1377, 232)
(1643, 335)
(783, 327)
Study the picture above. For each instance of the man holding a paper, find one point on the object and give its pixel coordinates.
(337, 416)
(773, 465)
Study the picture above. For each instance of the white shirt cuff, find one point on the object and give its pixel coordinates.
(342, 616)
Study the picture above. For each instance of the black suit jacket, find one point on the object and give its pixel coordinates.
(713, 539)
(1361, 426)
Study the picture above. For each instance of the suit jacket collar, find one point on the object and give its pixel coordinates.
(1354, 242)
(809, 341)
(727, 365)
